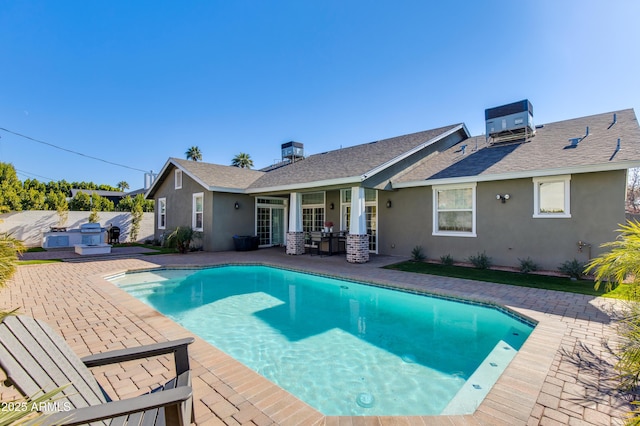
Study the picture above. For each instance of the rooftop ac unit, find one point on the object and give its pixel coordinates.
(292, 151)
(510, 122)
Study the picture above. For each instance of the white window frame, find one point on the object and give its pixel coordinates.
(566, 179)
(474, 209)
(195, 213)
(315, 211)
(178, 179)
(162, 213)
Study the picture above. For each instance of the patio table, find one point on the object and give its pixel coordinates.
(332, 243)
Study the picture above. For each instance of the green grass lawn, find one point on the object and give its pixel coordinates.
(515, 278)
(156, 250)
(34, 249)
(38, 262)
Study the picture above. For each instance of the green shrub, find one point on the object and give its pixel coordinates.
(481, 261)
(10, 248)
(181, 238)
(417, 255)
(527, 265)
(572, 268)
(94, 217)
(446, 260)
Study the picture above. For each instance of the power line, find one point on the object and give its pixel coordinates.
(73, 152)
(29, 174)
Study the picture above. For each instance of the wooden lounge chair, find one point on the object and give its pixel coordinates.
(37, 360)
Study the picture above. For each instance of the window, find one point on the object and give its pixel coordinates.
(178, 178)
(198, 211)
(312, 211)
(162, 213)
(551, 197)
(454, 210)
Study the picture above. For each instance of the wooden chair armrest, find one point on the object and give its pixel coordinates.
(120, 408)
(177, 347)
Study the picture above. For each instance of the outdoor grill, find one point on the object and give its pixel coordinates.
(90, 227)
(114, 234)
(91, 234)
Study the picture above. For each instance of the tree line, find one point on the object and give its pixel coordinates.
(31, 194)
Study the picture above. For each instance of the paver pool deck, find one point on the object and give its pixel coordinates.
(563, 375)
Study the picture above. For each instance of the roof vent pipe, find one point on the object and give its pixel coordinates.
(587, 133)
(615, 120)
(616, 151)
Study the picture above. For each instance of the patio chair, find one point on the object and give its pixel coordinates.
(315, 240)
(37, 360)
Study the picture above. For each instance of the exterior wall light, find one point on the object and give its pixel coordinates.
(503, 198)
(236, 206)
(388, 204)
(331, 206)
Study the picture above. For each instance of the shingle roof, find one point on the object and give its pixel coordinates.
(99, 192)
(346, 162)
(549, 150)
(218, 176)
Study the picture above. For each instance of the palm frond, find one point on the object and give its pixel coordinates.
(24, 411)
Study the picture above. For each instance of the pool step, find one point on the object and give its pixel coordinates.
(478, 385)
(145, 289)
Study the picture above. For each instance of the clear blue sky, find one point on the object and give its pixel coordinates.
(137, 82)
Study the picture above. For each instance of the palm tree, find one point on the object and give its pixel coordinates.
(622, 265)
(123, 186)
(622, 262)
(242, 160)
(10, 248)
(193, 153)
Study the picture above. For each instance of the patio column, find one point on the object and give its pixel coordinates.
(357, 239)
(295, 236)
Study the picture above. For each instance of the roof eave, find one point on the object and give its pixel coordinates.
(520, 174)
(412, 151)
(151, 190)
(226, 189)
(307, 185)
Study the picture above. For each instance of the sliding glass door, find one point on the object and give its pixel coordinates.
(270, 221)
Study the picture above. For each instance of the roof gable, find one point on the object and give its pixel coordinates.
(350, 164)
(216, 176)
(212, 177)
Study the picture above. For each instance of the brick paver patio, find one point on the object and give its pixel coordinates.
(563, 375)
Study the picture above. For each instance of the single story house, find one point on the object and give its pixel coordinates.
(113, 196)
(551, 193)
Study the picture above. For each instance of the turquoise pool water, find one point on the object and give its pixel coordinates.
(344, 348)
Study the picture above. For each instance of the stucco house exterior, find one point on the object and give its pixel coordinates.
(551, 192)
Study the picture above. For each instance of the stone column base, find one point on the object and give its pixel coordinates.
(357, 248)
(295, 243)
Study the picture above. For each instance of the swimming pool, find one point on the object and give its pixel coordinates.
(344, 348)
